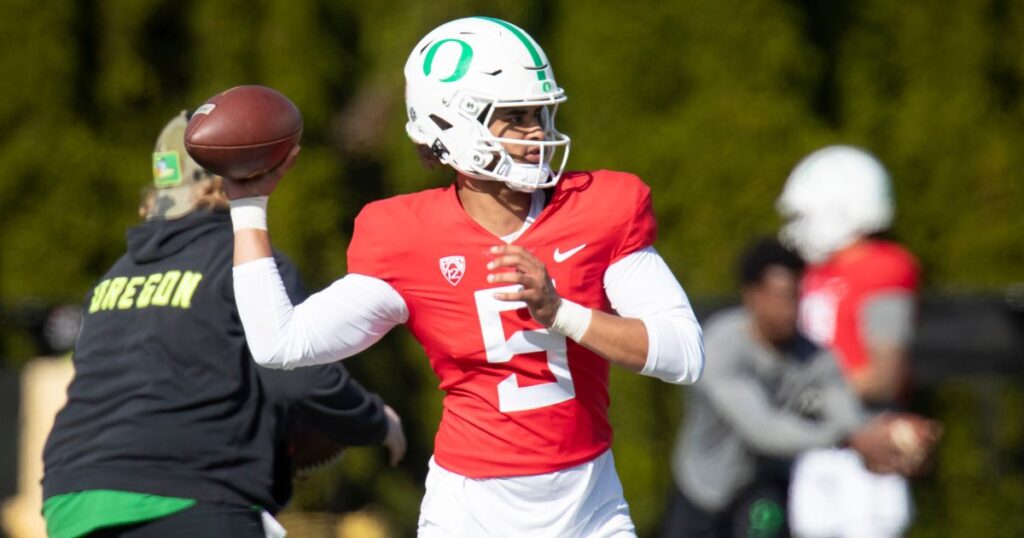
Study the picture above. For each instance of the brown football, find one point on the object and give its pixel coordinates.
(243, 132)
(311, 450)
(916, 438)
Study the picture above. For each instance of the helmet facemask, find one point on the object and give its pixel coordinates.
(502, 166)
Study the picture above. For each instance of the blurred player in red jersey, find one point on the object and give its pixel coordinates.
(858, 298)
(859, 292)
(522, 282)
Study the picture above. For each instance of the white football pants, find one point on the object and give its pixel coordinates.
(833, 495)
(581, 501)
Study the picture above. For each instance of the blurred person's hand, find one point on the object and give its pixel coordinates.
(916, 438)
(874, 443)
(896, 443)
(394, 440)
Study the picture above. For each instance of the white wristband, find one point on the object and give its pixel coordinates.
(572, 320)
(249, 213)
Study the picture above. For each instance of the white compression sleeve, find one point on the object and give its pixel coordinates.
(642, 286)
(337, 322)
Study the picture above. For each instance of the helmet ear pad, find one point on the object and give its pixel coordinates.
(455, 78)
(833, 197)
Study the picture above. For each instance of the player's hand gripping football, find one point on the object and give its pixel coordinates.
(875, 447)
(916, 438)
(261, 185)
(538, 291)
(897, 443)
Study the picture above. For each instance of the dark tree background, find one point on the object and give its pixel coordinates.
(712, 102)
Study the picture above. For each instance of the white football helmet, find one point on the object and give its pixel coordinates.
(833, 197)
(455, 79)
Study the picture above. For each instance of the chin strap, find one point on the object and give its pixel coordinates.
(528, 177)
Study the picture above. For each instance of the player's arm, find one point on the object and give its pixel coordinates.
(739, 397)
(871, 439)
(655, 332)
(327, 399)
(623, 341)
(641, 287)
(249, 211)
(886, 323)
(340, 321)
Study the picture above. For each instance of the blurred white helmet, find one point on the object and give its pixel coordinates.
(455, 79)
(833, 197)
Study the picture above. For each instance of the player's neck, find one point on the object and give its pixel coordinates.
(493, 205)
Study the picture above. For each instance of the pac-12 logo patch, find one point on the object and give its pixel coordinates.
(453, 267)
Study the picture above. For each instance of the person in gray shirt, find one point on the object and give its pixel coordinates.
(768, 393)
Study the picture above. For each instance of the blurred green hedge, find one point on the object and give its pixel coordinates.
(711, 101)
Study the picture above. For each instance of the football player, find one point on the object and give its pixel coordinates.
(858, 299)
(522, 281)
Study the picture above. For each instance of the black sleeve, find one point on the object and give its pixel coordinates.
(324, 398)
(327, 399)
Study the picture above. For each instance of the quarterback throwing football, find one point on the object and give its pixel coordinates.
(522, 282)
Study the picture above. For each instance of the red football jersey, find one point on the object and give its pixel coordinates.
(833, 294)
(519, 400)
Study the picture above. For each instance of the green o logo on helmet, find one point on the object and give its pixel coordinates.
(465, 57)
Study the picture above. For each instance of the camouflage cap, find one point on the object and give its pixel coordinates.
(174, 172)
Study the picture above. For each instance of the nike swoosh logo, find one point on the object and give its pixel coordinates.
(562, 256)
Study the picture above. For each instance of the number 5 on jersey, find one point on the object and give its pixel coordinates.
(512, 397)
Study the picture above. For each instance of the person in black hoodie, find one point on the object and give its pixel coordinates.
(170, 428)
